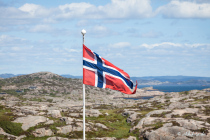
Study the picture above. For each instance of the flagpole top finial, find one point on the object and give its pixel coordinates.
(83, 32)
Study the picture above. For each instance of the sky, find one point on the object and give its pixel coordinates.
(142, 37)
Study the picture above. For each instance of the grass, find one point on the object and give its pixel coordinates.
(116, 123)
(185, 92)
(35, 138)
(162, 115)
(5, 122)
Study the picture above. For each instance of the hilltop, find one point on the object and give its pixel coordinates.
(45, 105)
(149, 80)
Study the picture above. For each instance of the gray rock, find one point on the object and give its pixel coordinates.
(65, 129)
(191, 124)
(50, 122)
(165, 133)
(41, 132)
(57, 138)
(92, 113)
(130, 138)
(30, 121)
(157, 112)
(178, 105)
(101, 126)
(54, 113)
(77, 115)
(131, 118)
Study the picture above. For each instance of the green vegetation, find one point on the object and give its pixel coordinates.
(114, 121)
(185, 92)
(5, 122)
(155, 126)
(11, 127)
(162, 115)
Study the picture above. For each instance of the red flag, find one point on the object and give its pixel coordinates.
(99, 72)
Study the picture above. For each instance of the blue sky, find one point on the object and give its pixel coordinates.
(142, 37)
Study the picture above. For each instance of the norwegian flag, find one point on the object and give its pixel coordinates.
(99, 72)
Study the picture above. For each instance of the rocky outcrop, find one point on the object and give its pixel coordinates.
(92, 113)
(41, 132)
(54, 113)
(178, 116)
(30, 121)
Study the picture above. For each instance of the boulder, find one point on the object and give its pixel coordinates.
(30, 121)
(131, 118)
(65, 129)
(50, 122)
(178, 105)
(191, 124)
(165, 133)
(101, 126)
(157, 112)
(57, 138)
(54, 113)
(41, 132)
(92, 113)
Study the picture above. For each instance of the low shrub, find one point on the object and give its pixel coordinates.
(11, 127)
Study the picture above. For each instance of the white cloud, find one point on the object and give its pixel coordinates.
(164, 44)
(120, 45)
(170, 45)
(6, 40)
(34, 10)
(185, 9)
(117, 9)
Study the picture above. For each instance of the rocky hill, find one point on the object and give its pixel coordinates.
(47, 106)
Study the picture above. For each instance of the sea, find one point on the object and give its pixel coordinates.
(170, 88)
(175, 88)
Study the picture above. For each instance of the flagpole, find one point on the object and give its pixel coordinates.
(83, 34)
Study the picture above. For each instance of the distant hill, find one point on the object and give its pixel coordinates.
(149, 80)
(9, 75)
(41, 82)
(71, 76)
(172, 80)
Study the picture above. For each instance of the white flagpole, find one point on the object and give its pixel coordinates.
(83, 34)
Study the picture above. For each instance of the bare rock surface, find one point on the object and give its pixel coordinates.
(41, 132)
(30, 121)
(54, 113)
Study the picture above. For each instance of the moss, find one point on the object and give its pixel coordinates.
(158, 125)
(175, 116)
(189, 115)
(207, 111)
(204, 130)
(116, 123)
(36, 138)
(162, 115)
(11, 127)
(174, 123)
(184, 92)
(155, 126)
(208, 120)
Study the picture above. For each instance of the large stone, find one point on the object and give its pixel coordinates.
(178, 105)
(54, 113)
(101, 125)
(92, 113)
(165, 133)
(191, 124)
(157, 112)
(30, 121)
(65, 129)
(41, 132)
(57, 138)
(131, 118)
